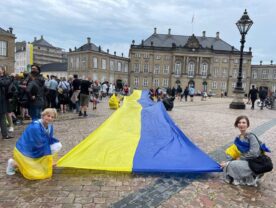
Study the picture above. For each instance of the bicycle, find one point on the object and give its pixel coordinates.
(266, 103)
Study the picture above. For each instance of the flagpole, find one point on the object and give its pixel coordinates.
(193, 23)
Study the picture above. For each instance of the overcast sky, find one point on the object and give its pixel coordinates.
(113, 24)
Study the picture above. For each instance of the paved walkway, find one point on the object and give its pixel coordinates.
(209, 124)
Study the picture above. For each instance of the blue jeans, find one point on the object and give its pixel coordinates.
(35, 112)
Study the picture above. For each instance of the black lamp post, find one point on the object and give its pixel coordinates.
(243, 25)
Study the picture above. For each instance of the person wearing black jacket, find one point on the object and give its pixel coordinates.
(35, 91)
(253, 94)
(4, 83)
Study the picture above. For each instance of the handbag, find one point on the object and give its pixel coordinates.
(261, 164)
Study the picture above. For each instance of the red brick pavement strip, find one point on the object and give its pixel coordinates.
(77, 188)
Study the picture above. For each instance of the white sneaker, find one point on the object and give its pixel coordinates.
(236, 183)
(11, 129)
(10, 167)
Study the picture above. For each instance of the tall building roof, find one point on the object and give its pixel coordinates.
(42, 42)
(169, 41)
(89, 46)
(7, 32)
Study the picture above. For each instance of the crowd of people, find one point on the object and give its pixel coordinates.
(24, 96)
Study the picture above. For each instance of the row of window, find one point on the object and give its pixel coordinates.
(165, 83)
(113, 65)
(264, 74)
(3, 48)
(166, 57)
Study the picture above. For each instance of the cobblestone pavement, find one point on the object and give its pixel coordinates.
(209, 124)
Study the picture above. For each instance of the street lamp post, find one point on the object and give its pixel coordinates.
(243, 25)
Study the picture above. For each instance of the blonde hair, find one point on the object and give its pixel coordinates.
(49, 111)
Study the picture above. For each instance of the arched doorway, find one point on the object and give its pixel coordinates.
(204, 85)
(191, 83)
(119, 84)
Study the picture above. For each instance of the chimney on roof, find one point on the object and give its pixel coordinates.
(217, 35)
(151, 43)
(41, 37)
(232, 48)
(204, 34)
(10, 29)
(133, 42)
(107, 51)
(250, 49)
(271, 62)
(34, 38)
(169, 31)
(142, 42)
(100, 48)
(70, 50)
(114, 53)
(155, 30)
(261, 62)
(88, 40)
(122, 54)
(75, 48)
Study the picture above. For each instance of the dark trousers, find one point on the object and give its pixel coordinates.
(3, 125)
(35, 112)
(253, 102)
(53, 95)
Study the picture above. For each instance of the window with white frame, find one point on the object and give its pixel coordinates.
(254, 75)
(244, 61)
(136, 81)
(224, 72)
(177, 68)
(111, 65)
(244, 85)
(83, 61)
(95, 62)
(243, 74)
(156, 69)
(216, 72)
(137, 55)
(95, 76)
(235, 73)
(77, 62)
(214, 85)
(223, 85)
(126, 67)
(191, 69)
(71, 62)
(225, 60)
(216, 60)
(156, 82)
(167, 58)
(274, 74)
(145, 82)
(119, 66)
(103, 64)
(166, 69)
(165, 82)
(265, 74)
(146, 68)
(157, 57)
(146, 56)
(3, 48)
(233, 85)
(136, 67)
(204, 68)
(236, 61)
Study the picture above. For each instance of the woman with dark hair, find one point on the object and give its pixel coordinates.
(246, 146)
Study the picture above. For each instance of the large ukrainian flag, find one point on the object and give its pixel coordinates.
(139, 137)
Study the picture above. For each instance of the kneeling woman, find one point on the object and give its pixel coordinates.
(34, 150)
(246, 146)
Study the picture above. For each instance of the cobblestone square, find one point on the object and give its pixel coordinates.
(209, 124)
